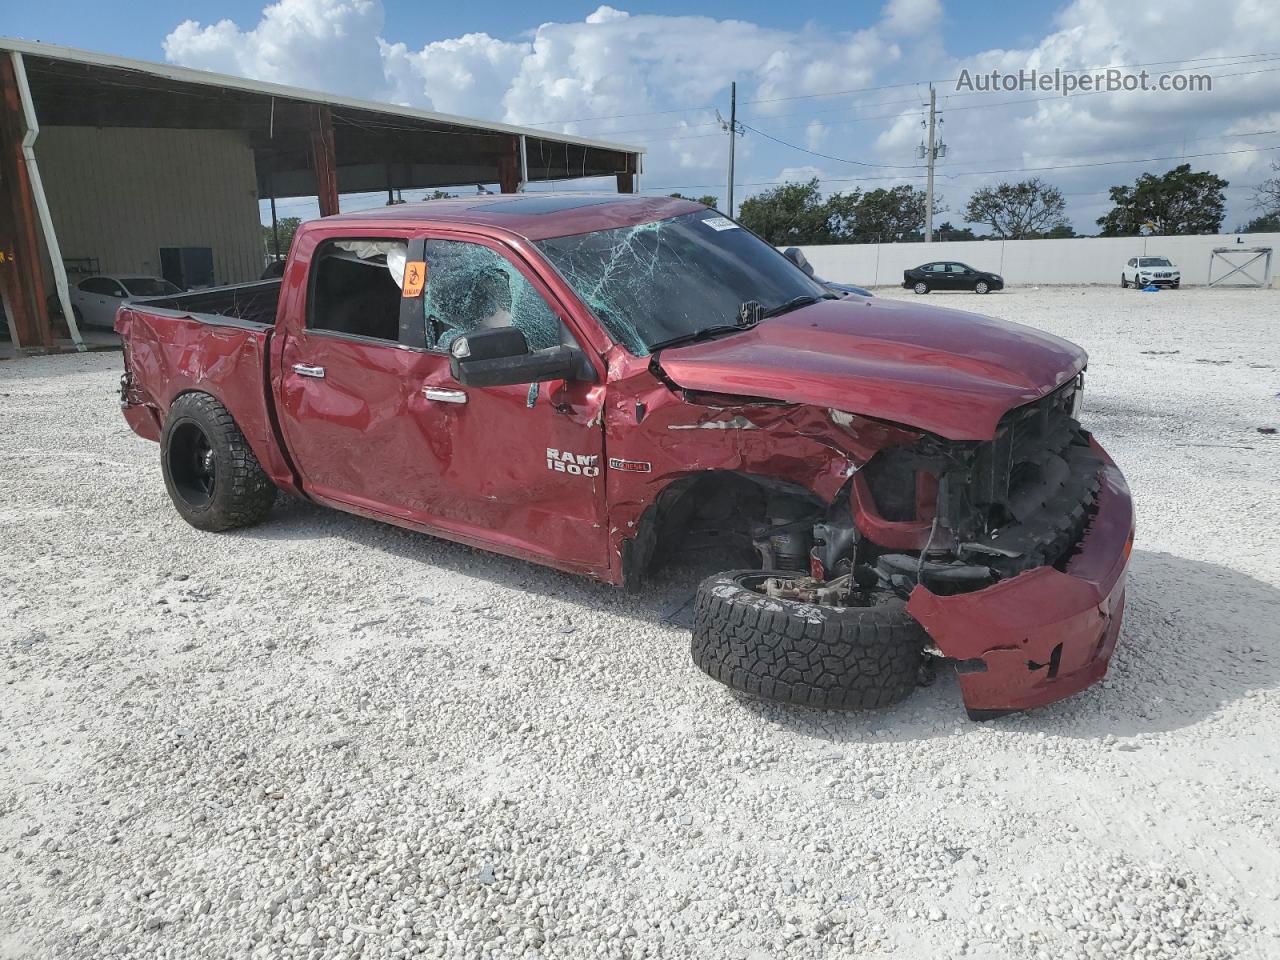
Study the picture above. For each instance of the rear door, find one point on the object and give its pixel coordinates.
(936, 274)
(375, 421)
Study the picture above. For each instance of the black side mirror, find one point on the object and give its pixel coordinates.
(500, 356)
(796, 256)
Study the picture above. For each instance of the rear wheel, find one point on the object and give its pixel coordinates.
(810, 654)
(212, 476)
(921, 287)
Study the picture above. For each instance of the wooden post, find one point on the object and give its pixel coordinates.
(23, 267)
(509, 167)
(324, 159)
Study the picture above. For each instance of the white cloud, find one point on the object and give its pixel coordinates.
(462, 76)
(815, 134)
(637, 68)
(912, 16)
(327, 45)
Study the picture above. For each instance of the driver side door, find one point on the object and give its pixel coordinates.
(520, 465)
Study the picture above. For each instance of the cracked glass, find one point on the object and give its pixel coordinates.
(473, 287)
(667, 278)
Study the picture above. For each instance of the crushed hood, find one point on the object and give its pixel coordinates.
(948, 372)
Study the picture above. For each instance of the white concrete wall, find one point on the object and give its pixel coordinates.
(1040, 262)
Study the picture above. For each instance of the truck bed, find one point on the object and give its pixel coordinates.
(216, 341)
(254, 302)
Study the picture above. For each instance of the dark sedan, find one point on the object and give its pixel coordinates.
(949, 275)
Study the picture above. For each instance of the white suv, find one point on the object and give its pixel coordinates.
(1147, 271)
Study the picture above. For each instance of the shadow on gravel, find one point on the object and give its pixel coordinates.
(667, 600)
(1197, 636)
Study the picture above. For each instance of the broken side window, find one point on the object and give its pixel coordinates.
(474, 287)
(356, 288)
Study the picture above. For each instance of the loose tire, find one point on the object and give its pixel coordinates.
(840, 658)
(921, 287)
(981, 287)
(1124, 283)
(212, 476)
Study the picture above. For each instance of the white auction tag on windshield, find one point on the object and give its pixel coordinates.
(720, 223)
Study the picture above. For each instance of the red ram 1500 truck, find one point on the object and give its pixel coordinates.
(582, 380)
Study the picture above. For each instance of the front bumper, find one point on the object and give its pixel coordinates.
(1159, 281)
(1045, 634)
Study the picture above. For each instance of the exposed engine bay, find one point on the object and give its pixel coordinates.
(987, 511)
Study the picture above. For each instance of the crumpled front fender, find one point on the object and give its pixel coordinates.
(1045, 634)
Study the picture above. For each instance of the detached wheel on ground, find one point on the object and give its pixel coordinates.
(841, 658)
(212, 476)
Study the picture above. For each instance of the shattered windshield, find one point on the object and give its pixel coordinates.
(658, 281)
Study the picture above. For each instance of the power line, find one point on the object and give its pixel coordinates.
(827, 156)
(981, 173)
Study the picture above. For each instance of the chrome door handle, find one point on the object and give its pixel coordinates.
(302, 370)
(444, 396)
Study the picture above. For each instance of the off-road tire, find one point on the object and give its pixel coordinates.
(239, 492)
(837, 658)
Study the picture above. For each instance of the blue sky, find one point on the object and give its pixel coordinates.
(836, 87)
(104, 26)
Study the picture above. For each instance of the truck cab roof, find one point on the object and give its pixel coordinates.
(534, 216)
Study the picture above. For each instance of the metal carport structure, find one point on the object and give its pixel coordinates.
(303, 142)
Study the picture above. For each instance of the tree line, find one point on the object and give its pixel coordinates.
(1181, 201)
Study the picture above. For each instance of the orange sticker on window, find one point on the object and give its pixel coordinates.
(415, 278)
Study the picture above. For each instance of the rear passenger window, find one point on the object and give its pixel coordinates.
(474, 287)
(355, 288)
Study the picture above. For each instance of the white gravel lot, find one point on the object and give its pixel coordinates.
(325, 737)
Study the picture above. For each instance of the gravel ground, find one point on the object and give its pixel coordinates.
(325, 737)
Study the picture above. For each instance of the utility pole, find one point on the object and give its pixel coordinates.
(932, 156)
(731, 125)
(733, 135)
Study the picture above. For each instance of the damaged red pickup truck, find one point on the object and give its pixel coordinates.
(585, 381)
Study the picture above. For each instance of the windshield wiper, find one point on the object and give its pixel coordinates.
(704, 334)
(796, 303)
